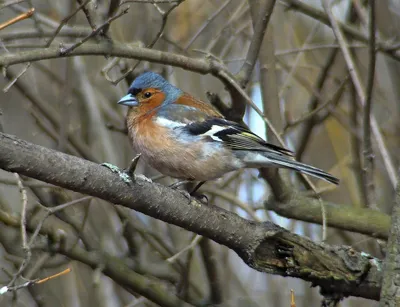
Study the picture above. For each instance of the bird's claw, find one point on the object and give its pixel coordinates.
(202, 198)
(121, 173)
(143, 177)
(128, 175)
(178, 184)
(125, 175)
(185, 193)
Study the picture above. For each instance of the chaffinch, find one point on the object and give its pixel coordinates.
(185, 138)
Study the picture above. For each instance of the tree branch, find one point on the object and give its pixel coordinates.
(390, 295)
(350, 31)
(263, 246)
(260, 27)
(365, 221)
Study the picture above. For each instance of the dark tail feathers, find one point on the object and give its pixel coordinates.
(303, 168)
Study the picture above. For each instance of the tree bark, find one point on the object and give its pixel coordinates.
(390, 294)
(265, 247)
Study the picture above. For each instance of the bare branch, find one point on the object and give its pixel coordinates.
(263, 246)
(361, 91)
(64, 21)
(87, 13)
(23, 16)
(11, 2)
(390, 286)
(260, 27)
(65, 51)
(368, 161)
(164, 15)
(383, 46)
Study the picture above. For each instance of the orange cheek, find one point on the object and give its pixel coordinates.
(144, 110)
(153, 102)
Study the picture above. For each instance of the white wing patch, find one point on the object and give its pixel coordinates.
(215, 129)
(170, 124)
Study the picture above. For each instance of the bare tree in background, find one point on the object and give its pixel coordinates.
(318, 77)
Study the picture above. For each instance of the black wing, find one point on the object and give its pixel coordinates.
(233, 135)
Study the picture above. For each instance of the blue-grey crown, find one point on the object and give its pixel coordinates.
(152, 80)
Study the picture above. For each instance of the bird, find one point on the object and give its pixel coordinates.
(188, 139)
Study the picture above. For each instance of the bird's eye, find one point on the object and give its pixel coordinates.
(147, 94)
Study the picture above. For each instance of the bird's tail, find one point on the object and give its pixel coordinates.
(282, 161)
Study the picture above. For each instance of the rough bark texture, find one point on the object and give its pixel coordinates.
(266, 247)
(390, 295)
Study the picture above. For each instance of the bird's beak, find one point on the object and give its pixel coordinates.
(128, 100)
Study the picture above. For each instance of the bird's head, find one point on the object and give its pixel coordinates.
(152, 90)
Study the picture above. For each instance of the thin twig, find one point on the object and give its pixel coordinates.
(12, 2)
(240, 11)
(356, 145)
(212, 266)
(266, 9)
(233, 200)
(313, 103)
(24, 200)
(206, 23)
(23, 16)
(87, 13)
(25, 245)
(29, 283)
(66, 271)
(368, 165)
(12, 82)
(64, 21)
(310, 47)
(192, 245)
(64, 51)
(292, 298)
(295, 64)
(361, 92)
(52, 210)
(350, 31)
(160, 32)
(333, 99)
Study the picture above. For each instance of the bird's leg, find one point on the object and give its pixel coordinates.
(127, 175)
(187, 194)
(200, 196)
(178, 184)
(198, 186)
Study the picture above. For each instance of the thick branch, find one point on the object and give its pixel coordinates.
(365, 221)
(111, 50)
(263, 246)
(208, 65)
(121, 273)
(390, 288)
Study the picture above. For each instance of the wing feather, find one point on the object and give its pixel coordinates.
(233, 135)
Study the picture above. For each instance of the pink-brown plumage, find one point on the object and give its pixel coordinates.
(186, 138)
(161, 150)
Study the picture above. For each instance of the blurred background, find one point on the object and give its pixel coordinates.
(69, 104)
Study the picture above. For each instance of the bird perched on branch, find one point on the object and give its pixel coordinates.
(185, 138)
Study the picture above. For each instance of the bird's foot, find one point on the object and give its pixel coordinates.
(121, 173)
(200, 197)
(143, 177)
(178, 184)
(127, 175)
